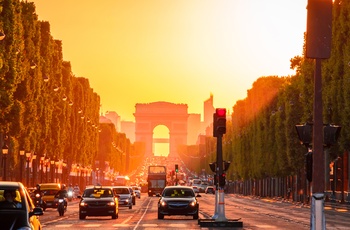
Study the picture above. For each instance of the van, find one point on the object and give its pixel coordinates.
(49, 190)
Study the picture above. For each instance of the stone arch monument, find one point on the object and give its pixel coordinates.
(150, 115)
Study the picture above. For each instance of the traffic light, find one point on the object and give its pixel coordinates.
(305, 134)
(219, 122)
(212, 166)
(176, 168)
(330, 134)
(222, 179)
(226, 165)
(308, 165)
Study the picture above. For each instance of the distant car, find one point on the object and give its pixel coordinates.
(98, 201)
(22, 216)
(178, 200)
(137, 191)
(210, 189)
(195, 189)
(124, 196)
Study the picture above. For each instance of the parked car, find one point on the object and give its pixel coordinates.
(137, 191)
(124, 196)
(210, 189)
(21, 212)
(178, 200)
(98, 201)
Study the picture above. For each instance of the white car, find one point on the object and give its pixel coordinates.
(195, 189)
(137, 191)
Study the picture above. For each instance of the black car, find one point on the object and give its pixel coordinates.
(17, 210)
(178, 200)
(98, 201)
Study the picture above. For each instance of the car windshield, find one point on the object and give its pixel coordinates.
(11, 198)
(121, 190)
(178, 192)
(97, 193)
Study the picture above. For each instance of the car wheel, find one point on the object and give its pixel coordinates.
(130, 207)
(195, 216)
(114, 216)
(160, 216)
(82, 217)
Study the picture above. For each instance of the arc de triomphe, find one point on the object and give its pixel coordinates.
(150, 115)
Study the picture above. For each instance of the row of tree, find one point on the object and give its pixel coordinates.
(45, 108)
(261, 139)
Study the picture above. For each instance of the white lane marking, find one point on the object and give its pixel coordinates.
(127, 219)
(143, 214)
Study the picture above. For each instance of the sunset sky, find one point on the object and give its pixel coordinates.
(177, 51)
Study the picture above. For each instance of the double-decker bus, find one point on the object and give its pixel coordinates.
(156, 179)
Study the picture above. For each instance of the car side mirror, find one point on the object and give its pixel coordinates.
(37, 211)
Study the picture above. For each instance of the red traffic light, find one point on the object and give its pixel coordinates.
(221, 112)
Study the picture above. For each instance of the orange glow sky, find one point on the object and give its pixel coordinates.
(177, 51)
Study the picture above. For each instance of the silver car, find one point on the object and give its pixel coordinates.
(137, 191)
(124, 196)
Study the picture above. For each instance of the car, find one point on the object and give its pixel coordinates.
(22, 215)
(195, 189)
(210, 189)
(137, 191)
(178, 200)
(133, 195)
(124, 196)
(49, 190)
(98, 201)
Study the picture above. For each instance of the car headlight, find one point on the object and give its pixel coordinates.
(163, 203)
(70, 193)
(193, 203)
(83, 204)
(111, 203)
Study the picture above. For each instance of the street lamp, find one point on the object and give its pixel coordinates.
(34, 168)
(47, 163)
(42, 159)
(21, 155)
(64, 168)
(5, 151)
(52, 170)
(97, 169)
(57, 164)
(28, 154)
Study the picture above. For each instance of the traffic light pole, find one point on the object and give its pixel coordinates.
(221, 195)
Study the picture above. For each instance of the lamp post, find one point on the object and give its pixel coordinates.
(47, 162)
(42, 159)
(21, 155)
(28, 154)
(97, 169)
(52, 166)
(34, 169)
(5, 151)
(56, 167)
(64, 174)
